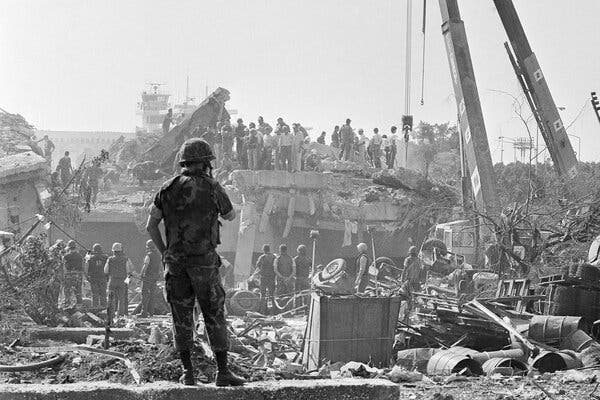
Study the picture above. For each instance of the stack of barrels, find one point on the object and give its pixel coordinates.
(577, 300)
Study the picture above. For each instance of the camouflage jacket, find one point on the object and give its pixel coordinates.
(190, 205)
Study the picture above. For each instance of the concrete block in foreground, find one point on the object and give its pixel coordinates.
(340, 389)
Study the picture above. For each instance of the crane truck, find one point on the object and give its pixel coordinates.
(467, 237)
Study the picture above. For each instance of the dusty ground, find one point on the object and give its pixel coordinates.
(502, 389)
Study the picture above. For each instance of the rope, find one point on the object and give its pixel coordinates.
(423, 29)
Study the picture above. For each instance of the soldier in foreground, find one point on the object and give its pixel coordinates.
(190, 205)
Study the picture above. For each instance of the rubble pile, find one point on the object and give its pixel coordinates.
(16, 135)
(33, 280)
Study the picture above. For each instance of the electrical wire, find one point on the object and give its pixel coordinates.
(579, 114)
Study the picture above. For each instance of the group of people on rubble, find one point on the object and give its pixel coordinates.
(109, 276)
(259, 146)
(356, 146)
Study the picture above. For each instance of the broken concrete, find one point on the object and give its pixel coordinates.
(372, 389)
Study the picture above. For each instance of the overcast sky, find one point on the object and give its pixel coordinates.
(81, 64)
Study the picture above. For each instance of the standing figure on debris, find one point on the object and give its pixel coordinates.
(297, 148)
(94, 269)
(151, 272)
(376, 148)
(190, 205)
(347, 135)
(269, 145)
(65, 168)
(167, 121)
(252, 147)
(412, 275)
(313, 161)
(239, 132)
(362, 268)
(93, 175)
(335, 137)
(285, 270)
(119, 269)
(265, 265)
(48, 147)
(394, 146)
(264, 127)
(73, 268)
(387, 150)
(303, 268)
(362, 147)
(227, 140)
(285, 149)
(321, 138)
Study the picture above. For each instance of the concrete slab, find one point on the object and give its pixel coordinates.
(78, 335)
(342, 389)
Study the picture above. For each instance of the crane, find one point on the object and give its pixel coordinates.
(478, 177)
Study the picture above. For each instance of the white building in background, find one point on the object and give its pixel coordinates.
(78, 143)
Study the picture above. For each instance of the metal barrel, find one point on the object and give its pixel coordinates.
(564, 300)
(549, 361)
(590, 357)
(515, 354)
(483, 356)
(415, 359)
(503, 362)
(576, 341)
(447, 362)
(551, 329)
(589, 304)
(571, 359)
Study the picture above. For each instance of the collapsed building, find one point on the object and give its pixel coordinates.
(276, 207)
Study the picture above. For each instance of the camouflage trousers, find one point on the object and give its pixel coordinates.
(72, 287)
(184, 284)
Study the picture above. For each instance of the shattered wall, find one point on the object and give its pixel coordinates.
(208, 113)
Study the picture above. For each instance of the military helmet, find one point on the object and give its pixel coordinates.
(96, 248)
(117, 246)
(71, 244)
(301, 249)
(195, 150)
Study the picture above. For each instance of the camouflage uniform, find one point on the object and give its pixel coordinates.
(189, 205)
(73, 276)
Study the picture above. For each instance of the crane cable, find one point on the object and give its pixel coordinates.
(423, 60)
(408, 57)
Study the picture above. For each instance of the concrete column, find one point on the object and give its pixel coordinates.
(245, 242)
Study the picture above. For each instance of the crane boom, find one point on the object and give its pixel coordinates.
(530, 76)
(472, 126)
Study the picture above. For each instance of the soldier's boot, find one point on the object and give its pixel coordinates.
(228, 378)
(188, 377)
(224, 376)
